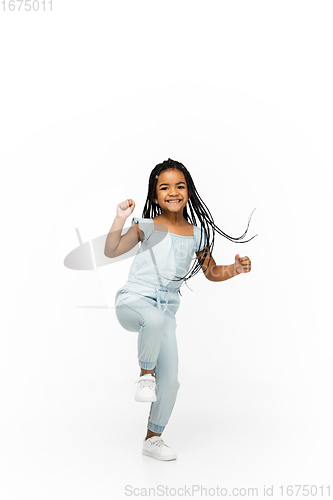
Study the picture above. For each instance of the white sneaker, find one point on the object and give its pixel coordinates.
(155, 447)
(145, 388)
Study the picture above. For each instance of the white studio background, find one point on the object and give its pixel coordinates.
(93, 96)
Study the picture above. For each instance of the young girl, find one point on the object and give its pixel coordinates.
(149, 300)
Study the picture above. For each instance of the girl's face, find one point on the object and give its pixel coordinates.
(171, 190)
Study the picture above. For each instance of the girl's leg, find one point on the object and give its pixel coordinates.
(136, 314)
(167, 385)
(156, 341)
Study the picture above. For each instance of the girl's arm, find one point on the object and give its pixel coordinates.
(116, 244)
(214, 272)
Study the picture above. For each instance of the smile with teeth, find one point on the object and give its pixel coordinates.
(173, 201)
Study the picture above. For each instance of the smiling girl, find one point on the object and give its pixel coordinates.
(149, 300)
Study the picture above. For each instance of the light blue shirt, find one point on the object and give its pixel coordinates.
(164, 256)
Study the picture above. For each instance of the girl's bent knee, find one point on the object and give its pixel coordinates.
(128, 318)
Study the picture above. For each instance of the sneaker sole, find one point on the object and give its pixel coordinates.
(170, 457)
(142, 399)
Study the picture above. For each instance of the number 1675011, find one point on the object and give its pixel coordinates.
(33, 5)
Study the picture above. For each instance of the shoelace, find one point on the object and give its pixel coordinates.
(146, 383)
(159, 442)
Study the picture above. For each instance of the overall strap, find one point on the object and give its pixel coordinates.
(155, 266)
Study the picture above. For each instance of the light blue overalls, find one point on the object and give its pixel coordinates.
(147, 304)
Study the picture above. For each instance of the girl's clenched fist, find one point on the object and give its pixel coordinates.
(125, 208)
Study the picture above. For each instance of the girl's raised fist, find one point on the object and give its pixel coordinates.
(125, 208)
